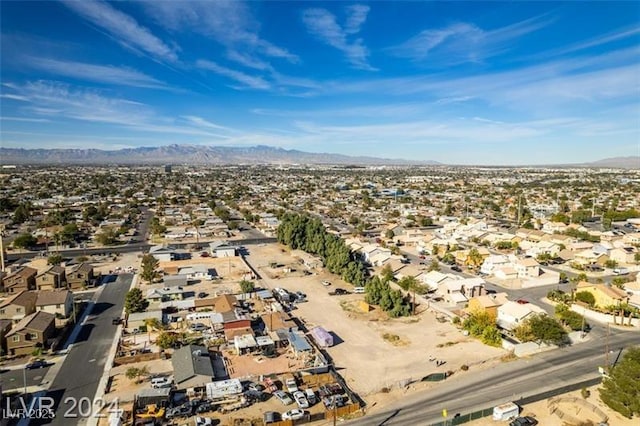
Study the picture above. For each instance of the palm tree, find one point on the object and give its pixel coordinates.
(152, 323)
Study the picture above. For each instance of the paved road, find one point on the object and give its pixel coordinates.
(84, 365)
(15, 378)
(509, 381)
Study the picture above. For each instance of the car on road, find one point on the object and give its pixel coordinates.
(283, 397)
(300, 399)
(524, 421)
(40, 363)
(326, 283)
(522, 301)
(456, 268)
(295, 414)
(338, 292)
(117, 321)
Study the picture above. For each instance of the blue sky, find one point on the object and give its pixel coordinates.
(456, 82)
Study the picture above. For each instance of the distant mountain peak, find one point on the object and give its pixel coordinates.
(189, 154)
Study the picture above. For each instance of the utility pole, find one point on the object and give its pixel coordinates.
(1, 248)
(519, 210)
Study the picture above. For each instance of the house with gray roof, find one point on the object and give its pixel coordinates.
(192, 367)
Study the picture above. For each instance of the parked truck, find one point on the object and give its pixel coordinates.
(506, 411)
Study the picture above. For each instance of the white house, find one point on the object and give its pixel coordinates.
(57, 302)
(197, 272)
(512, 314)
(494, 262)
(222, 249)
(527, 267)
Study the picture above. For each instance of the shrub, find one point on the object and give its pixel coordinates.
(464, 367)
(585, 297)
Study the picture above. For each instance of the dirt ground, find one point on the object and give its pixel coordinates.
(409, 347)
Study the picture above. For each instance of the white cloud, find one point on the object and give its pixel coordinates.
(356, 16)
(463, 42)
(245, 79)
(230, 23)
(14, 97)
(323, 24)
(97, 73)
(199, 121)
(123, 28)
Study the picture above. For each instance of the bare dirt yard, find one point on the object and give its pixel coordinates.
(372, 351)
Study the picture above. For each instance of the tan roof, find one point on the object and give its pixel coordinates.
(53, 297)
(492, 300)
(276, 320)
(528, 261)
(225, 303)
(37, 321)
(25, 271)
(24, 298)
(613, 292)
(83, 267)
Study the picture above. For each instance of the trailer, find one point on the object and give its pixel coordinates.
(506, 411)
(323, 338)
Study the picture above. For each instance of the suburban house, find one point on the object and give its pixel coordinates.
(18, 306)
(494, 262)
(32, 332)
(623, 255)
(198, 272)
(274, 321)
(603, 294)
(164, 294)
(137, 320)
(57, 302)
(52, 278)
(512, 314)
(175, 281)
(80, 276)
(488, 303)
(5, 326)
(527, 267)
(162, 253)
(24, 278)
(192, 367)
(222, 249)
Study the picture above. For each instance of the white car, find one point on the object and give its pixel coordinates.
(301, 400)
(291, 385)
(295, 414)
(326, 283)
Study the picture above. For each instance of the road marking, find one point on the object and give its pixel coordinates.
(92, 360)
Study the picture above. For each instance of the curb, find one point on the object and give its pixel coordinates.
(102, 385)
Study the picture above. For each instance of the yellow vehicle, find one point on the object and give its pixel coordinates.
(152, 412)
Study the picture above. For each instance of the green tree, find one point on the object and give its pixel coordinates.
(389, 234)
(610, 264)
(135, 373)
(55, 259)
(134, 301)
(168, 340)
(621, 389)
(107, 237)
(474, 258)
(247, 286)
(24, 241)
(149, 267)
(491, 336)
(570, 319)
(435, 265)
(386, 274)
(546, 329)
(585, 297)
(156, 227)
(22, 213)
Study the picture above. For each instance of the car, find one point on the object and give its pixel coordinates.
(283, 397)
(206, 407)
(524, 421)
(271, 417)
(456, 268)
(300, 399)
(184, 410)
(359, 290)
(117, 321)
(326, 283)
(198, 326)
(291, 385)
(422, 256)
(202, 294)
(300, 296)
(161, 382)
(204, 421)
(339, 291)
(311, 396)
(252, 395)
(522, 301)
(204, 254)
(256, 387)
(295, 414)
(40, 363)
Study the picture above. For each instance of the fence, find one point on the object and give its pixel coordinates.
(459, 419)
(135, 358)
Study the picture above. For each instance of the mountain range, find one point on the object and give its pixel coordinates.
(190, 154)
(221, 155)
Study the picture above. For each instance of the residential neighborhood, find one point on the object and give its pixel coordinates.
(223, 309)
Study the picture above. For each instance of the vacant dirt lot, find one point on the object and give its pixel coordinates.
(371, 351)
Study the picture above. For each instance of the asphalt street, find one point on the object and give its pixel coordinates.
(509, 381)
(84, 365)
(15, 378)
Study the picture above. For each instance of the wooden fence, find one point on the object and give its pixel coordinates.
(135, 358)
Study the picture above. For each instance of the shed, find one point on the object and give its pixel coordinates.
(323, 338)
(159, 397)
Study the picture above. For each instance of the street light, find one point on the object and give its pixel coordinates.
(24, 378)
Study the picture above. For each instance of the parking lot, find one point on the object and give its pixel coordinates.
(371, 351)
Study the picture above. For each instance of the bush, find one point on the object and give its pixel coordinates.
(464, 367)
(585, 393)
(585, 297)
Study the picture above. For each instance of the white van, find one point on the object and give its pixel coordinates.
(620, 271)
(359, 290)
(160, 382)
(311, 396)
(506, 411)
